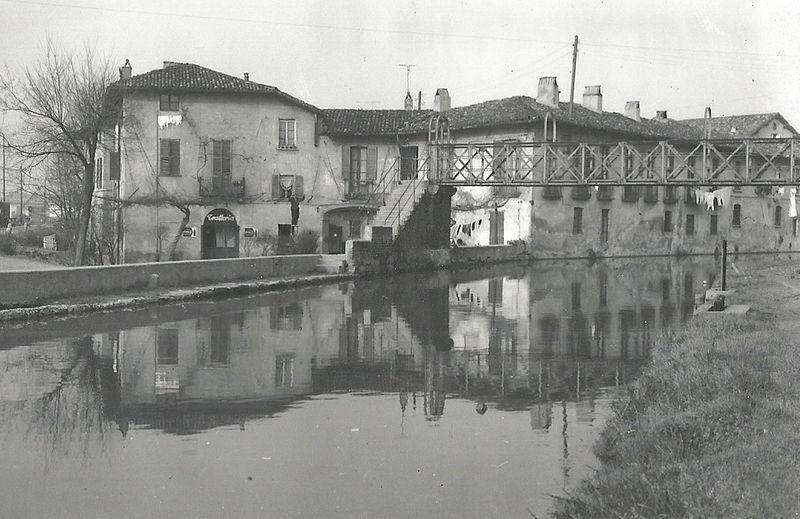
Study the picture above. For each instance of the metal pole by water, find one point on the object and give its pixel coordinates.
(724, 263)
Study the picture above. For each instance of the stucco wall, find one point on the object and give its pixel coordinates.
(23, 287)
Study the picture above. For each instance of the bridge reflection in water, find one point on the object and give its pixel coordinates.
(540, 340)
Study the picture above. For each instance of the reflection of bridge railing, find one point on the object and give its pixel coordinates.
(705, 162)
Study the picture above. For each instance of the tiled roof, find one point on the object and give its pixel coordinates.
(524, 110)
(188, 77)
(746, 125)
(347, 121)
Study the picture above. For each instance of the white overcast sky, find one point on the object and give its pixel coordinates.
(676, 55)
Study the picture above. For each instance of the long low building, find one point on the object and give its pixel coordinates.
(202, 164)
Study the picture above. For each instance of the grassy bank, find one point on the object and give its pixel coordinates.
(712, 427)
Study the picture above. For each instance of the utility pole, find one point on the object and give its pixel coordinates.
(572, 80)
(4, 167)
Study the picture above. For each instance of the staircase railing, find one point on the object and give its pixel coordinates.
(403, 200)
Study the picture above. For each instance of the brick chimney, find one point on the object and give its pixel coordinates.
(547, 93)
(125, 71)
(593, 98)
(408, 104)
(441, 101)
(661, 116)
(247, 76)
(632, 110)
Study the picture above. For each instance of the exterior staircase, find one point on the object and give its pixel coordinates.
(332, 264)
(400, 202)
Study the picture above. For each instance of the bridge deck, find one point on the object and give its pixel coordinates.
(697, 163)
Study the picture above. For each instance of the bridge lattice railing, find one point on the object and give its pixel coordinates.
(705, 162)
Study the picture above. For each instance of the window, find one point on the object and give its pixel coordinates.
(167, 346)
(286, 186)
(221, 158)
(286, 317)
(284, 370)
(576, 297)
(794, 226)
(603, 285)
(359, 166)
(713, 223)
(170, 103)
(689, 225)
(577, 220)
(737, 215)
(286, 134)
(98, 174)
(778, 216)
(667, 221)
(408, 162)
(170, 159)
(604, 225)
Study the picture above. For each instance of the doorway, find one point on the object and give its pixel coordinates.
(219, 237)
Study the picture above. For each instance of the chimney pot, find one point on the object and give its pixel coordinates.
(547, 93)
(125, 71)
(419, 100)
(593, 98)
(441, 101)
(408, 104)
(247, 76)
(632, 110)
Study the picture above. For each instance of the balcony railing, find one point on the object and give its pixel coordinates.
(630, 193)
(552, 192)
(651, 194)
(670, 194)
(581, 193)
(221, 188)
(605, 193)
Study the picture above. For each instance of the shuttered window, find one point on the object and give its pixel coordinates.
(170, 159)
(221, 158)
(286, 134)
(169, 103)
(360, 169)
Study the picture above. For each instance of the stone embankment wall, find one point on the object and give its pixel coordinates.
(18, 288)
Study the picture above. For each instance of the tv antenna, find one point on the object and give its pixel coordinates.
(408, 75)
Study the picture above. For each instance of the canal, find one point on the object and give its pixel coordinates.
(464, 394)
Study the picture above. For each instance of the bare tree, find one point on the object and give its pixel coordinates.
(62, 106)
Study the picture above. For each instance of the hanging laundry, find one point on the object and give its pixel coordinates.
(780, 190)
(699, 196)
(709, 198)
(723, 195)
(792, 203)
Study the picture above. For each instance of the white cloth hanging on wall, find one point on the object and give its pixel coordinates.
(792, 203)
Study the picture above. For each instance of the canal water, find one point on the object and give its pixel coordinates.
(465, 394)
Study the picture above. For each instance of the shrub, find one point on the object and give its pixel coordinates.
(307, 242)
(6, 245)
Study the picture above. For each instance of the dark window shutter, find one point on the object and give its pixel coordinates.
(114, 166)
(276, 187)
(298, 186)
(175, 157)
(372, 163)
(164, 157)
(346, 166)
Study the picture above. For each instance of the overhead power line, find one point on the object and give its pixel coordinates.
(364, 29)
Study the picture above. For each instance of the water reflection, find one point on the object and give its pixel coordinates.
(536, 342)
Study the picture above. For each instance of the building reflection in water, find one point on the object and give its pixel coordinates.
(528, 340)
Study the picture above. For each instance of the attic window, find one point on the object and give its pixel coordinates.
(170, 103)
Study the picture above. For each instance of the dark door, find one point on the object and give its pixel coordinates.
(335, 241)
(219, 236)
(409, 158)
